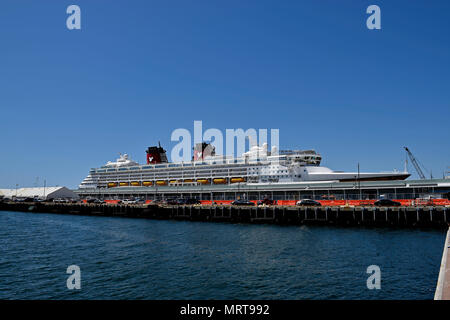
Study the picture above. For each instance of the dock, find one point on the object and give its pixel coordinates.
(443, 285)
(432, 216)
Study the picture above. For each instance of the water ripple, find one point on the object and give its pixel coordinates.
(144, 259)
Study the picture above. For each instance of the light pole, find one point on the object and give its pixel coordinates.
(359, 184)
(238, 193)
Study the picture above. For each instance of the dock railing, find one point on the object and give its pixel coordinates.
(443, 284)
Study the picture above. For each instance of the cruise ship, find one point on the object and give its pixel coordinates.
(257, 167)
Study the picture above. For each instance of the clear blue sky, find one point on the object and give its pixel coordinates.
(71, 100)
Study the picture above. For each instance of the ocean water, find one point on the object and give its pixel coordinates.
(122, 258)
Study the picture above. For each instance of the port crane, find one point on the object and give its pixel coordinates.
(415, 163)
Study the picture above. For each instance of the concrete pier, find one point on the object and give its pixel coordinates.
(434, 217)
(443, 285)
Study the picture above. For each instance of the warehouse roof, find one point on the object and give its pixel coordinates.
(41, 192)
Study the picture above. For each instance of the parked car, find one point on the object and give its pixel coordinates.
(267, 202)
(113, 201)
(27, 199)
(240, 202)
(386, 203)
(129, 201)
(308, 202)
(140, 201)
(60, 200)
(172, 202)
(158, 202)
(94, 200)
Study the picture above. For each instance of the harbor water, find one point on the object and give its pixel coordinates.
(123, 258)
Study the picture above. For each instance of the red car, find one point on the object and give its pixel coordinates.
(267, 202)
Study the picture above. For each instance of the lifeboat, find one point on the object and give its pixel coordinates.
(124, 184)
(147, 183)
(219, 180)
(236, 180)
(188, 181)
(173, 181)
(161, 182)
(112, 184)
(135, 183)
(203, 181)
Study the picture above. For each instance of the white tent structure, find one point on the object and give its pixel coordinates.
(41, 193)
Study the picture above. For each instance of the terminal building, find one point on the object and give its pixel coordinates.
(353, 190)
(44, 193)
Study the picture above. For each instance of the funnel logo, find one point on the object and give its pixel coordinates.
(198, 155)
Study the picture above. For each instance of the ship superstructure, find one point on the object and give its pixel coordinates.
(255, 167)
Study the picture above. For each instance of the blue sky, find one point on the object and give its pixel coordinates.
(137, 70)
